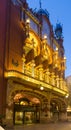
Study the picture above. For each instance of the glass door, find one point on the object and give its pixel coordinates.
(29, 117)
(18, 117)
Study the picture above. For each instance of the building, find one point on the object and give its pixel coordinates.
(32, 65)
(68, 80)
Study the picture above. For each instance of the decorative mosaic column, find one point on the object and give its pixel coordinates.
(57, 81)
(33, 68)
(47, 76)
(9, 109)
(48, 106)
(52, 78)
(61, 83)
(23, 59)
(65, 86)
(40, 72)
(63, 114)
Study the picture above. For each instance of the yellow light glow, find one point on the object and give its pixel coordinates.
(45, 36)
(56, 48)
(64, 57)
(28, 21)
(41, 88)
(67, 96)
(37, 82)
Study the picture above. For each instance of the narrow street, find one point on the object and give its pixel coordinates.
(50, 126)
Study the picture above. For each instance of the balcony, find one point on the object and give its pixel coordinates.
(35, 80)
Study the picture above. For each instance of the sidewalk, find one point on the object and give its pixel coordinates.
(49, 126)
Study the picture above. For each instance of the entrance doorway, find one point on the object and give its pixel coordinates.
(29, 117)
(18, 118)
(24, 117)
(26, 113)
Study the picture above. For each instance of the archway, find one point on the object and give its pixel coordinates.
(26, 109)
(58, 109)
(24, 101)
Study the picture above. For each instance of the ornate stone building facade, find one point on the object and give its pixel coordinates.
(68, 80)
(32, 65)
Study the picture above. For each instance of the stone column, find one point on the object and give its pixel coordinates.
(61, 83)
(9, 108)
(33, 68)
(65, 86)
(63, 116)
(23, 60)
(40, 72)
(47, 76)
(52, 78)
(48, 106)
(57, 81)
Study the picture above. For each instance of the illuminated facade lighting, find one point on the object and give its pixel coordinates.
(33, 72)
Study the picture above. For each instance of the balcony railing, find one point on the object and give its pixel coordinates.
(62, 88)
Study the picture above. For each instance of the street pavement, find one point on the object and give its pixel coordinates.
(49, 126)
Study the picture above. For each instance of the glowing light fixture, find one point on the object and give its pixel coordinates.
(67, 96)
(27, 21)
(41, 88)
(56, 48)
(45, 36)
(64, 58)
